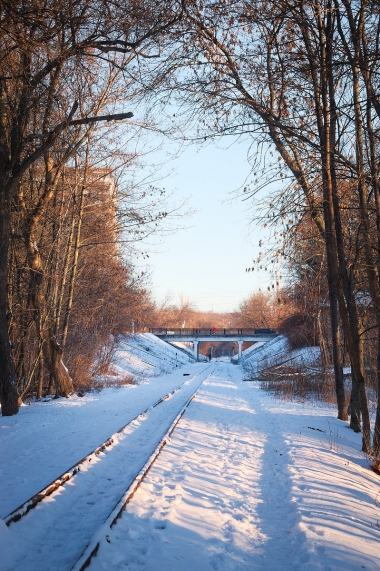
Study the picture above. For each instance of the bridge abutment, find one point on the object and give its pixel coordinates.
(240, 350)
(196, 350)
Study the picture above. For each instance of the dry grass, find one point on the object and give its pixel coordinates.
(120, 382)
(298, 383)
(114, 383)
(375, 466)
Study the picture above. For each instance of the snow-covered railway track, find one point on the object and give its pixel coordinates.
(83, 497)
(61, 480)
(101, 535)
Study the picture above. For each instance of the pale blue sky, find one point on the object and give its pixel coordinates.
(206, 262)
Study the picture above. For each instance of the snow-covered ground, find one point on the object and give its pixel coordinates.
(46, 438)
(245, 483)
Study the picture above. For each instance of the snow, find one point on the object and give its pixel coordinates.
(52, 436)
(47, 438)
(72, 514)
(144, 355)
(247, 352)
(267, 354)
(244, 483)
(247, 483)
(252, 348)
(277, 352)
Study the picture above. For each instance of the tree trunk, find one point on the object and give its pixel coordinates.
(74, 267)
(323, 348)
(355, 421)
(51, 351)
(53, 359)
(51, 384)
(65, 270)
(40, 378)
(337, 276)
(8, 387)
(337, 357)
(376, 436)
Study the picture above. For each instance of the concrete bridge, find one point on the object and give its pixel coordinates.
(216, 334)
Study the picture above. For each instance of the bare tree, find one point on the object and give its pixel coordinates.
(300, 76)
(43, 50)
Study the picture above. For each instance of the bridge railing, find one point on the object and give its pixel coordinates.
(210, 331)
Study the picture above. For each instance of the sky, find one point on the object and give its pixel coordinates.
(206, 261)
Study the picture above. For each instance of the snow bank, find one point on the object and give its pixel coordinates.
(248, 351)
(307, 356)
(267, 354)
(276, 352)
(144, 355)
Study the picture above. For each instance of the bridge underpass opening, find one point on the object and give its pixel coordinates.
(220, 349)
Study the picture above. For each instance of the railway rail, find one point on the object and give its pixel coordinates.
(101, 535)
(61, 480)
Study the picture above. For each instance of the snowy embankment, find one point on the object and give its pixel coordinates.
(141, 356)
(275, 353)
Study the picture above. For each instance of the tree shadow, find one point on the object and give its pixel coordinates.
(305, 513)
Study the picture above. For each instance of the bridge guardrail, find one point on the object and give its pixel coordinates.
(210, 331)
